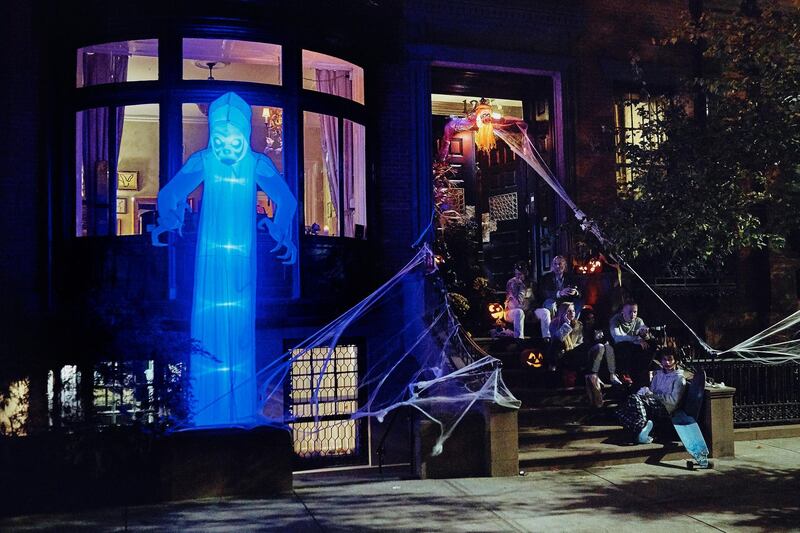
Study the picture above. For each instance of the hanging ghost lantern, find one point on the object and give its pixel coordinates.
(496, 311)
(484, 137)
(532, 359)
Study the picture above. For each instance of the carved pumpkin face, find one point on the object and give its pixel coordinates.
(531, 358)
(228, 143)
(496, 311)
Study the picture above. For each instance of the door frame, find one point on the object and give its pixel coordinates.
(425, 58)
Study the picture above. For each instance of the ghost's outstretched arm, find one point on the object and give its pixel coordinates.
(280, 228)
(172, 197)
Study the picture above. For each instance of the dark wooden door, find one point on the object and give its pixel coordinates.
(506, 212)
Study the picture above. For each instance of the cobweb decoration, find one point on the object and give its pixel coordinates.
(776, 345)
(420, 359)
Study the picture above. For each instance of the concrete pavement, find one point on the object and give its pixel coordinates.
(759, 490)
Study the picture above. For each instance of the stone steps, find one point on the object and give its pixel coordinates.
(556, 436)
(586, 453)
(558, 428)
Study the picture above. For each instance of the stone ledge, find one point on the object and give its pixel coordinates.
(717, 421)
(767, 432)
(55, 472)
(484, 444)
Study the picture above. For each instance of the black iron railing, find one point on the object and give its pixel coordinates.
(765, 394)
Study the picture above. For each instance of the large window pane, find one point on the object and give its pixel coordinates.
(266, 138)
(632, 115)
(355, 178)
(117, 62)
(331, 75)
(137, 169)
(231, 60)
(108, 203)
(321, 171)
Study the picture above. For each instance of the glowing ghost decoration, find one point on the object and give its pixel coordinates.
(223, 306)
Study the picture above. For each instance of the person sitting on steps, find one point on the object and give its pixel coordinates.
(555, 286)
(516, 304)
(570, 343)
(654, 404)
(603, 348)
(630, 337)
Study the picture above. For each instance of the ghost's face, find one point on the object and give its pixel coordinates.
(229, 144)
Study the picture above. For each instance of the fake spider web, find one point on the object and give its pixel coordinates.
(778, 344)
(422, 359)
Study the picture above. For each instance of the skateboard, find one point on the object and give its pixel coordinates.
(692, 439)
(695, 391)
(685, 422)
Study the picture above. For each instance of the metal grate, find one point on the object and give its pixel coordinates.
(503, 206)
(334, 434)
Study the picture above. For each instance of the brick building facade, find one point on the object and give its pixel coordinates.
(581, 51)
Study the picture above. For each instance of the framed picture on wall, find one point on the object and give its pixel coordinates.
(122, 206)
(128, 180)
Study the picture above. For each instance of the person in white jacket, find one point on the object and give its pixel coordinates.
(630, 335)
(656, 403)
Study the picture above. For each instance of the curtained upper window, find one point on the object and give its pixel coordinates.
(117, 62)
(331, 75)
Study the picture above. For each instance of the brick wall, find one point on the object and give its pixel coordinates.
(24, 213)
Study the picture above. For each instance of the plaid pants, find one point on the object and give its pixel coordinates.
(634, 413)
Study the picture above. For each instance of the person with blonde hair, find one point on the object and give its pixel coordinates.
(569, 346)
(517, 301)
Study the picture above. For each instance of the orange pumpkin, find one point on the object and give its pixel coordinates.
(532, 358)
(496, 311)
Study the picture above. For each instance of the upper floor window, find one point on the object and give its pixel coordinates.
(117, 62)
(632, 115)
(331, 75)
(231, 60)
(119, 149)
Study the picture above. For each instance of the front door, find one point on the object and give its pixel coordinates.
(507, 209)
(506, 199)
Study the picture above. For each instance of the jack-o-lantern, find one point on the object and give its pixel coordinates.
(496, 311)
(532, 358)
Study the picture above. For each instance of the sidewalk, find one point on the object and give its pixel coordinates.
(759, 490)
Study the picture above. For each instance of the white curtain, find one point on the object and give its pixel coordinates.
(338, 83)
(354, 178)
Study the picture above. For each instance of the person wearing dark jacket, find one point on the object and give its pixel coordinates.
(554, 287)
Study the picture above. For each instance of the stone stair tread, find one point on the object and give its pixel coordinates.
(542, 391)
(576, 454)
(567, 408)
(566, 430)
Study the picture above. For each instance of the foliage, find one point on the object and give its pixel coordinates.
(125, 336)
(14, 399)
(706, 187)
(456, 247)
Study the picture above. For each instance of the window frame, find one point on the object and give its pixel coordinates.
(170, 91)
(626, 102)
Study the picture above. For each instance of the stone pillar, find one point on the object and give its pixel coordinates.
(484, 444)
(502, 440)
(718, 420)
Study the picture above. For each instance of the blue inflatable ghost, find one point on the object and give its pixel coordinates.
(223, 309)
